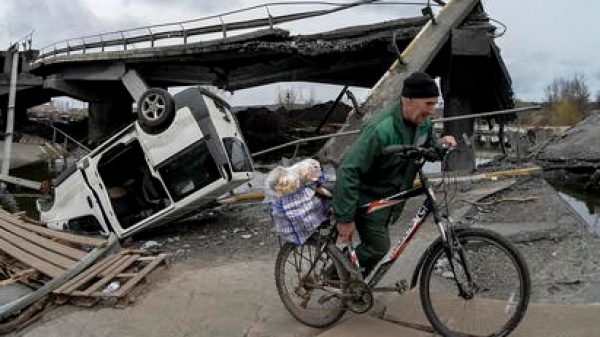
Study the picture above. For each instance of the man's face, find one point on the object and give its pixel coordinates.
(417, 109)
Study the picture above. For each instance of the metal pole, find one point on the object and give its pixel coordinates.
(333, 135)
(331, 108)
(487, 114)
(10, 117)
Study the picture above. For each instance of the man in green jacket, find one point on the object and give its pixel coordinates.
(366, 175)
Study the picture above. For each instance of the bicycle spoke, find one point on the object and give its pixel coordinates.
(495, 284)
(300, 284)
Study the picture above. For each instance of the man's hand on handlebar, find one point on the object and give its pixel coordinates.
(346, 231)
(449, 139)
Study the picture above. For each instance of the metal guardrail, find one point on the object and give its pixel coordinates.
(56, 131)
(299, 142)
(150, 34)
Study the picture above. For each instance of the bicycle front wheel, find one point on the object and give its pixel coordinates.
(479, 288)
(309, 280)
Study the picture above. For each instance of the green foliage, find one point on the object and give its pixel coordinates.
(565, 112)
(567, 100)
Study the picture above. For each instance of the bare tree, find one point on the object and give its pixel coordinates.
(293, 98)
(311, 99)
(287, 98)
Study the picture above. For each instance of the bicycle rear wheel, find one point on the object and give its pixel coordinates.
(494, 276)
(309, 280)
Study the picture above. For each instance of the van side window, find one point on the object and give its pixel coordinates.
(189, 171)
(238, 155)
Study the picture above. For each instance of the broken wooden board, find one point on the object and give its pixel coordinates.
(48, 251)
(127, 268)
(50, 257)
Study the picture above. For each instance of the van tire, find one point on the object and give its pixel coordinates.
(155, 110)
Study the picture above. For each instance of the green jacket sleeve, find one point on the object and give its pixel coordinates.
(357, 162)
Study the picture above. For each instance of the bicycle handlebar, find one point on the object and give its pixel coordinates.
(435, 153)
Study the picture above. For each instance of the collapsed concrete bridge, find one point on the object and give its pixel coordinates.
(457, 46)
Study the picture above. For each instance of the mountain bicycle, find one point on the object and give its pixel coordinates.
(472, 281)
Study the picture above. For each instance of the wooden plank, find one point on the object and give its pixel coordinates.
(147, 258)
(27, 219)
(24, 302)
(30, 260)
(87, 275)
(109, 270)
(22, 275)
(132, 282)
(125, 263)
(42, 241)
(53, 233)
(40, 252)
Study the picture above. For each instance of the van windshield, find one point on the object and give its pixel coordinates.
(189, 171)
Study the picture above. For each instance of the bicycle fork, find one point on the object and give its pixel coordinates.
(459, 265)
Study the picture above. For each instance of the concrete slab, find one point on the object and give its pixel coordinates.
(529, 231)
(548, 320)
(238, 299)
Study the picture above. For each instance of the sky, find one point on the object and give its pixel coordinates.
(544, 40)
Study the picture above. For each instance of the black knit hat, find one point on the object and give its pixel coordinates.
(420, 85)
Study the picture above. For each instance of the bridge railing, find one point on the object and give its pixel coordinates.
(150, 35)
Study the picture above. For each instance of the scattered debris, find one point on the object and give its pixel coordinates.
(497, 201)
(36, 261)
(40, 259)
(152, 245)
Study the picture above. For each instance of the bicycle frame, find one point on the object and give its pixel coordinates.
(424, 211)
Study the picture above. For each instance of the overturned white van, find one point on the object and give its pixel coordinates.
(182, 153)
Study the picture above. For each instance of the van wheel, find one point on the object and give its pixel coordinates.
(156, 110)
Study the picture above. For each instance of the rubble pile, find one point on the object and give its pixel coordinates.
(573, 157)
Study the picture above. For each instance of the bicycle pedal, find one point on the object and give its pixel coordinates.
(401, 286)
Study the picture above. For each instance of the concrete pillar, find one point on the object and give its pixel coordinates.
(462, 160)
(107, 117)
(7, 61)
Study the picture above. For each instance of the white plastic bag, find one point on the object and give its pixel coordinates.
(293, 205)
(286, 180)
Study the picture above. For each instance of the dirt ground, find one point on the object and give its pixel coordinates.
(220, 276)
(562, 253)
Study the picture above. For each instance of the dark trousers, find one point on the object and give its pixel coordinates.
(373, 229)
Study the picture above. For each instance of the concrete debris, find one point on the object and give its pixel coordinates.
(152, 245)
